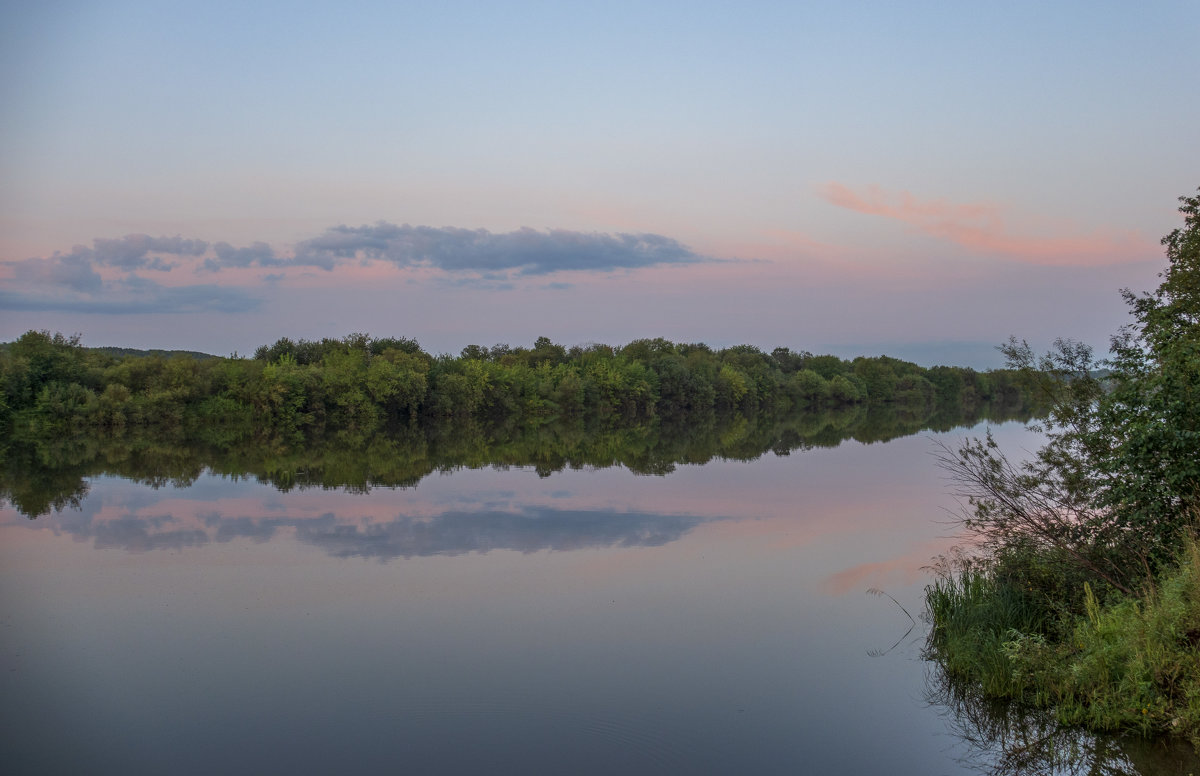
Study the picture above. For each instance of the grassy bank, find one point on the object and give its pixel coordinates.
(1129, 664)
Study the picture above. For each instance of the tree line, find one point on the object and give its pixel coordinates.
(50, 381)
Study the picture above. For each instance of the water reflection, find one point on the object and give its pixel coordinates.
(1006, 739)
(456, 533)
(530, 529)
(39, 475)
(496, 621)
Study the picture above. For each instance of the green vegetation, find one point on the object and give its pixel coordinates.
(1084, 595)
(49, 384)
(1004, 738)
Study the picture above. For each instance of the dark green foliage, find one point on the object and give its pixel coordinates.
(789, 362)
(360, 383)
(1132, 665)
(877, 377)
(808, 388)
(843, 390)
(119, 353)
(975, 614)
(826, 366)
(1150, 420)
(1013, 738)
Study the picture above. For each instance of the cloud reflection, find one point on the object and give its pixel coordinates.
(529, 529)
(139, 535)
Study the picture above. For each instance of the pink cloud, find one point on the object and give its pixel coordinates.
(981, 228)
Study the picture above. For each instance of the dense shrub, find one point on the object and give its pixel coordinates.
(1086, 595)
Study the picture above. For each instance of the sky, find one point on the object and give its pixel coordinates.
(918, 179)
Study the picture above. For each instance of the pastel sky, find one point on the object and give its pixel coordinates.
(919, 179)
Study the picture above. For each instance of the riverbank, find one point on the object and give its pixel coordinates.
(1128, 665)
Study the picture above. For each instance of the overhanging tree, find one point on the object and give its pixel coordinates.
(1117, 484)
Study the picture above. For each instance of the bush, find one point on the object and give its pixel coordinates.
(1087, 595)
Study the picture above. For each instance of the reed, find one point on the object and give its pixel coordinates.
(974, 615)
(1123, 664)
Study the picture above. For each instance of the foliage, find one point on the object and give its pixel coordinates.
(1130, 665)
(359, 383)
(1096, 534)
(975, 613)
(1116, 487)
(1151, 419)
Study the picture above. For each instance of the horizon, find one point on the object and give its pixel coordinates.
(926, 355)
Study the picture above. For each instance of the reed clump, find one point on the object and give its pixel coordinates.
(1126, 664)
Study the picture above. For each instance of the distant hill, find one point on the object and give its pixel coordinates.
(126, 352)
(123, 352)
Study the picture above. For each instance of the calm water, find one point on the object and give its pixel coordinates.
(491, 620)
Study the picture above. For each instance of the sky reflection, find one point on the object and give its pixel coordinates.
(594, 621)
(867, 515)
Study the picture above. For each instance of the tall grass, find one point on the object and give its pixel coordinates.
(1123, 664)
(973, 616)
(1135, 665)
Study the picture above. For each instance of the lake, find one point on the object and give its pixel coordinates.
(710, 618)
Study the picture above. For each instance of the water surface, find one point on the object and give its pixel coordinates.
(488, 620)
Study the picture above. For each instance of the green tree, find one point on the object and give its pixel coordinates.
(827, 367)
(843, 391)
(808, 387)
(1149, 423)
(344, 378)
(285, 394)
(474, 353)
(1116, 487)
(878, 377)
(732, 387)
(546, 352)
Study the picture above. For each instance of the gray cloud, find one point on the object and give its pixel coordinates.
(69, 282)
(134, 251)
(133, 295)
(149, 296)
(232, 528)
(76, 270)
(256, 253)
(70, 271)
(527, 251)
(475, 257)
(494, 255)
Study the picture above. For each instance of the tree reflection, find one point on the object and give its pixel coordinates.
(39, 474)
(1007, 739)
